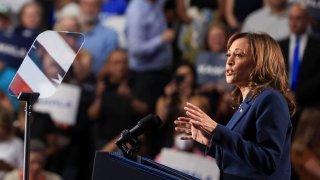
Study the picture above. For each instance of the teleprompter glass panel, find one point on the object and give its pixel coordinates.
(46, 63)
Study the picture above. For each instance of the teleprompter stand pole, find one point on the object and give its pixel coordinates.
(30, 98)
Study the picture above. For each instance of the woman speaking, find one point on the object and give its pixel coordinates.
(255, 144)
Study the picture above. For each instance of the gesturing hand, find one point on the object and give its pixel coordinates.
(198, 125)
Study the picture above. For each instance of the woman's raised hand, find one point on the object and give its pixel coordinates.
(197, 125)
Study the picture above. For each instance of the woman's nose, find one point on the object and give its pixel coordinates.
(230, 60)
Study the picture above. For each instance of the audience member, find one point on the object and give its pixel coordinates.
(149, 48)
(115, 107)
(305, 151)
(66, 8)
(236, 11)
(301, 54)
(302, 57)
(29, 22)
(100, 40)
(181, 146)
(272, 19)
(14, 43)
(199, 15)
(47, 13)
(11, 147)
(29, 25)
(174, 21)
(81, 67)
(15, 7)
(30, 16)
(184, 146)
(179, 91)
(36, 165)
(210, 64)
(79, 153)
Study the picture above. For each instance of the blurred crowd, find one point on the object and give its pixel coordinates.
(149, 56)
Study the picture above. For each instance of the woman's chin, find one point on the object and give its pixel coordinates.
(229, 80)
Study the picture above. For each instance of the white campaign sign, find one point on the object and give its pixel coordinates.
(62, 105)
(192, 164)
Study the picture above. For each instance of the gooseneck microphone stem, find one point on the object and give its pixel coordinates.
(125, 138)
(131, 136)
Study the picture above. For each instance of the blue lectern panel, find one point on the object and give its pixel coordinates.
(112, 166)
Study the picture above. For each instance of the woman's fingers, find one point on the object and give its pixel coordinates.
(197, 123)
(186, 119)
(183, 125)
(203, 127)
(183, 130)
(195, 108)
(192, 111)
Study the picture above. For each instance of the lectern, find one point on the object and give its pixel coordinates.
(115, 166)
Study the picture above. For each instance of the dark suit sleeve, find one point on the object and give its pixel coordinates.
(211, 151)
(273, 128)
(309, 75)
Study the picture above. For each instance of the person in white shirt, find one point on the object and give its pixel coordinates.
(271, 19)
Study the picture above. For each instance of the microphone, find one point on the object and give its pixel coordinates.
(130, 136)
(148, 122)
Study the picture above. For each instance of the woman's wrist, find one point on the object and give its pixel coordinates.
(211, 134)
(212, 128)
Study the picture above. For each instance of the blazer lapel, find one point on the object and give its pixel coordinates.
(238, 115)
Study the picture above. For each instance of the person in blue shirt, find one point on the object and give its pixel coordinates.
(255, 144)
(149, 48)
(100, 40)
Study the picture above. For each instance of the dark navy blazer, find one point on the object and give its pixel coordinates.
(255, 144)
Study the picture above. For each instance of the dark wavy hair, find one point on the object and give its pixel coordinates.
(269, 71)
(192, 69)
